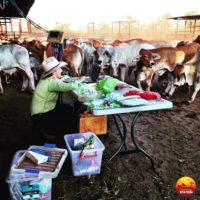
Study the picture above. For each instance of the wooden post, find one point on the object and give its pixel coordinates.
(11, 25)
(185, 26)
(93, 28)
(20, 26)
(129, 30)
(29, 28)
(88, 28)
(194, 27)
(112, 30)
(190, 27)
(113, 33)
(5, 23)
(177, 27)
(1, 26)
(119, 29)
(138, 29)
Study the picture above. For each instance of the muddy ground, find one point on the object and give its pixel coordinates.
(171, 136)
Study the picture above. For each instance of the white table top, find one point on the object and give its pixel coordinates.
(151, 105)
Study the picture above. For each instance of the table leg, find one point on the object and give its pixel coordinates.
(122, 131)
(123, 134)
(137, 147)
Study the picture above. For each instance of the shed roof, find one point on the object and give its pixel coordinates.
(8, 10)
(187, 17)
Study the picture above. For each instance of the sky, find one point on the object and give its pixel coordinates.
(79, 13)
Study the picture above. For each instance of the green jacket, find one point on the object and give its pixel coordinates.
(46, 94)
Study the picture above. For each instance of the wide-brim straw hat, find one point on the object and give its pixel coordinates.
(50, 65)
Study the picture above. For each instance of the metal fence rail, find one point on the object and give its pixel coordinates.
(180, 35)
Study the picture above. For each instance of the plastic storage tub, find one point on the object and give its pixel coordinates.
(88, 163)
(27, 180)
(47, 169)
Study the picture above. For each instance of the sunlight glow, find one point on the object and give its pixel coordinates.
(79, 13)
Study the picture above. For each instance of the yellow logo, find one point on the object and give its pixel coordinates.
(186, 186)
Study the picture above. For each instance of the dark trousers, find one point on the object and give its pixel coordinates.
(59, 121)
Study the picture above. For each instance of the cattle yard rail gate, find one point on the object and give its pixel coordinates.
(12, 18)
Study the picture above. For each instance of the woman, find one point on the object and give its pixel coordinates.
(48, 115)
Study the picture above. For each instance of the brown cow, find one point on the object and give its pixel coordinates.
(160, 59)
(117, 43)
(36, 48)
(36, 53)
(186, 73)
(183, 42)
(181, 61)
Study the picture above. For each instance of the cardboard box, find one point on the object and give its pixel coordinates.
(92, 123)
(55, 36)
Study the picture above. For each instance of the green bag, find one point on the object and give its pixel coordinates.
(107, 85)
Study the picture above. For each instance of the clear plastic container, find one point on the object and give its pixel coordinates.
(26, 180)
(28, 185)
(48, 169)
(87, 162)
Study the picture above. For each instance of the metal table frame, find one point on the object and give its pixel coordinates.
(152, 105)
(123, 148)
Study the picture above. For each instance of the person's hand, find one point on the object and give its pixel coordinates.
(82, 78)
(65, 78)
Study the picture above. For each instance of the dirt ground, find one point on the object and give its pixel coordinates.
(171, 136)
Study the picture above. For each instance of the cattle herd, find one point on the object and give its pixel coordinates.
(142, 60)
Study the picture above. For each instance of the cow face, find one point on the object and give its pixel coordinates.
(36, 48)
(148, 58)
(102, 57)
(197, 39)
(182, 43)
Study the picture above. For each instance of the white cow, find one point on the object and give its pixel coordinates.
(88, 54)
(119, 58)
(35, 66)
(15, 56)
